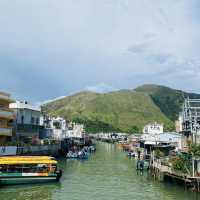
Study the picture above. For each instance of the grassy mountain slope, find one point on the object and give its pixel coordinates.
(122, 110)
(168, 100)
(70, 106)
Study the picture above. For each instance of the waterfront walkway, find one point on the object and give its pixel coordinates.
(167, 171)
(160, 172)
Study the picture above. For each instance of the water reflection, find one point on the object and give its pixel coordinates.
(108, 174)
(29, 192)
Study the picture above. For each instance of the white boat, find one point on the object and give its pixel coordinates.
(71, 154)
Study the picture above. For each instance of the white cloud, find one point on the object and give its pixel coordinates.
(100, 88)
(51, 48)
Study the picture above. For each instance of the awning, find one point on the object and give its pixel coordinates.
(149, 143)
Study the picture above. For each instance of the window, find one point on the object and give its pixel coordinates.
(32, 120)
(30, 168)
(37, 121)
(11, 168)
(22, 119)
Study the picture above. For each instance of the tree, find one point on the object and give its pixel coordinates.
(194, 150)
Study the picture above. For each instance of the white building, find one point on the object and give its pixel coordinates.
(75, 131)
(171, 138)
(6, 118)
(54, 128)
(154, 128)
(28, 120)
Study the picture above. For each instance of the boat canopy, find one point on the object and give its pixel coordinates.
(150, 143)
(17, 160)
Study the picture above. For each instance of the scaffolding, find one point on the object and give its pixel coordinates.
(191, 118)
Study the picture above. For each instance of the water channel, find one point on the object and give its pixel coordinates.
(107, 175)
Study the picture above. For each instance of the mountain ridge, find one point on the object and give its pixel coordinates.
(122, 110)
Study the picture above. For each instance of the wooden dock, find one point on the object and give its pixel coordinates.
(162, 172)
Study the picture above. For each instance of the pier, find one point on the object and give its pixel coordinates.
(163, 172)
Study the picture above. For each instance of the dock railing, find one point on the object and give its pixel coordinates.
(159, 164)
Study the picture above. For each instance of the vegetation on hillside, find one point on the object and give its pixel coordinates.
(96, 126)
(124, 110)
(168, 100)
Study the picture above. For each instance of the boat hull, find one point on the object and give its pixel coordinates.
(29, 178)
(26, 180)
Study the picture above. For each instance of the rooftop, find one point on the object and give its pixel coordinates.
(24, 105)
(13, 160)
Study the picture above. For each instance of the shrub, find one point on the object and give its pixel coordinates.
(181, 163)
(158, 153)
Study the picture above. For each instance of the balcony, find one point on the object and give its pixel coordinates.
(5, 131)
(6, 114)
(6, 97)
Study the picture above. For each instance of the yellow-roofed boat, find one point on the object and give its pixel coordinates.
(28, 169)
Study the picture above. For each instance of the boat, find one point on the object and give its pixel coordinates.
(77, 155)
(142, 165)
(82, 155)
(92, 149)
(72, 155)
(131, 154)
(89, 149)
(28, 169)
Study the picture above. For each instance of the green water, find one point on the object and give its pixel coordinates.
(107, 175)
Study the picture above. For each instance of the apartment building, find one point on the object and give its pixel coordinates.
(6, 118)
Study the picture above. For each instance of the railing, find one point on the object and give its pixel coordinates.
(6, 113)
(166, 169)
(163, 168)
(30, 150)
(28, 128)
(6, 131)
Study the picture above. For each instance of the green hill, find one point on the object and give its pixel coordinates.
(168, 100)
(124, 110)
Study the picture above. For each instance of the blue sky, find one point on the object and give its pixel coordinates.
(52, 48)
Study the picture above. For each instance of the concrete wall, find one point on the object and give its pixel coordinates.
(8, 150)
(31, 150)
(40, 150)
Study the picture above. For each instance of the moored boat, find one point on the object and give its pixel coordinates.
(131, 154)
(142, 165)
(82, 155)
(92, 149)
(77, 155)
(28, 169)
(72, 155)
